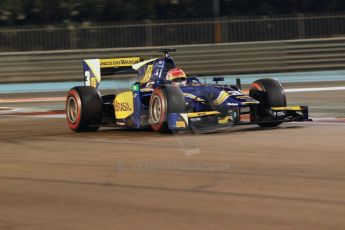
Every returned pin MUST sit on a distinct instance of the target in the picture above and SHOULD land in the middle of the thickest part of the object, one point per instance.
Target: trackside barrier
(210, 59)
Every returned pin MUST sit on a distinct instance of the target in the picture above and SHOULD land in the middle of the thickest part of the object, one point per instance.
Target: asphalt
(291, 177)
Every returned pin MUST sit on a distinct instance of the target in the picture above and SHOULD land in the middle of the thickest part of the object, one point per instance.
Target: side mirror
(217, 79)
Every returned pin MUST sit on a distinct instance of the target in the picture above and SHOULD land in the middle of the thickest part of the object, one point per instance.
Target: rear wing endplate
(95, 68)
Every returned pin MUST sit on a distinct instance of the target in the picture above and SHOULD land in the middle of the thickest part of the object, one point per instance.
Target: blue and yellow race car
(165, 99)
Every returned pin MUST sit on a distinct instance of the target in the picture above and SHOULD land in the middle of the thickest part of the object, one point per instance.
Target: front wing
(214, 119)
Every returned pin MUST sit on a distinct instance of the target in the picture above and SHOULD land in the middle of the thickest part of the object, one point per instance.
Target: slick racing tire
(83, 109)
(164, 100)
(269, 93)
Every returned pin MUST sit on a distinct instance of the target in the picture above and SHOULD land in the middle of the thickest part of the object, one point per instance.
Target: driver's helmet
(177, 76)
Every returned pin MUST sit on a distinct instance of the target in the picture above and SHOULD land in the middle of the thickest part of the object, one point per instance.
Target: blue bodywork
(199, 98)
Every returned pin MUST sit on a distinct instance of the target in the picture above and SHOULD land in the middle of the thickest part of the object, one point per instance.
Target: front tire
(269, 93)
(83, 109)
(164, 100)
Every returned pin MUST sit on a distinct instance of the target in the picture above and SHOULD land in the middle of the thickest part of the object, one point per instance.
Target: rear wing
(95, 68)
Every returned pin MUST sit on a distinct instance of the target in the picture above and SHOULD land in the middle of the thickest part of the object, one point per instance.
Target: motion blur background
(46, 40)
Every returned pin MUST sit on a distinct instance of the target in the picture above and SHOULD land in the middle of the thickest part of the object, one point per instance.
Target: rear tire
(269, 93)
(83, 109)
(164, 100)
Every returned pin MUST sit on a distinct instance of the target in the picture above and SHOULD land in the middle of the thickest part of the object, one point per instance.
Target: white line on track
(315, 89)
(320, 123)
(326, 118)
(26, 100)
(50, 116)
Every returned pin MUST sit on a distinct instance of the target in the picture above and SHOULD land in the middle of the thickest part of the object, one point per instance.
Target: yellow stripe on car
(202, 114)
(148, 74)
(292, 108)
(221, 98)
(223, 120)
(180, 124)
(189, 95)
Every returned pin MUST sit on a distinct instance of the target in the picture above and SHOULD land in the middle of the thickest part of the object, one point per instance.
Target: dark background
(42, 12)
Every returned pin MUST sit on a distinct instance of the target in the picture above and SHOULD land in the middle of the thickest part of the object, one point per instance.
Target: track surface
(292, 177)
